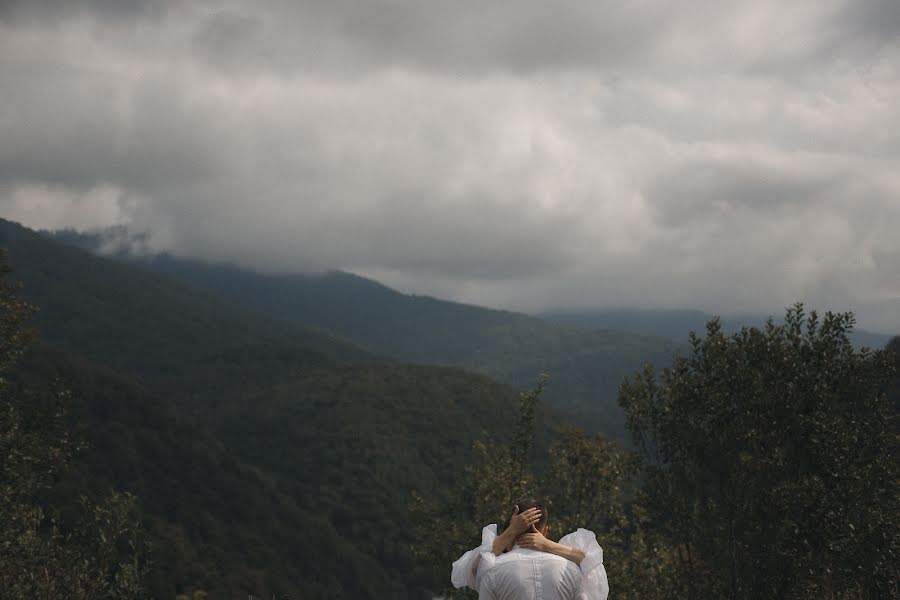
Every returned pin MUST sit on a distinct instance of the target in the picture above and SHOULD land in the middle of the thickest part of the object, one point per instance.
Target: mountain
(677, 324)
(268, 458)
(586, 368)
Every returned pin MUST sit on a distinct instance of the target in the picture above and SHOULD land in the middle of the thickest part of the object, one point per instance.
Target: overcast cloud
(722, 155)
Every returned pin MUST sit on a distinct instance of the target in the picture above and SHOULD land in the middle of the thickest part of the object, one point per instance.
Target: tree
(893, 351)
(499, 475)
(590, 483)
(92, 556)
(769, 462)
(585, 484)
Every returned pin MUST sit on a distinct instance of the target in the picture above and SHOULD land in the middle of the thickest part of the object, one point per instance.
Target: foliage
(94, 553)
(589, 484)
(769, 462)
(499, 474)
(13, 313)
(585, 483)
(765, 466)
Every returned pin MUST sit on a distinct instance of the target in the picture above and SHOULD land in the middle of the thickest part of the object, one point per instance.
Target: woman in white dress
(580, 547)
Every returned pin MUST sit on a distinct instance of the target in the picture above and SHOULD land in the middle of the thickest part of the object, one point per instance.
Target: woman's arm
(536, 541)
(518, 524)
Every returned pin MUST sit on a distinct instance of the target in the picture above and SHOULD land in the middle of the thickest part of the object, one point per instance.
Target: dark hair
(532, 503)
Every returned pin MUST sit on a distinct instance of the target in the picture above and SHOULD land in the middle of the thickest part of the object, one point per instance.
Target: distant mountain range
(586, 367)
(675, 325)
(586, 354)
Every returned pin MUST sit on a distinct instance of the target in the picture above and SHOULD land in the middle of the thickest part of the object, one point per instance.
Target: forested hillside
(271, 459)
(267, 458)
(585, 367)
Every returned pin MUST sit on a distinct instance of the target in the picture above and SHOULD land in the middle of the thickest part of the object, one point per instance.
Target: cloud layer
(729, 156)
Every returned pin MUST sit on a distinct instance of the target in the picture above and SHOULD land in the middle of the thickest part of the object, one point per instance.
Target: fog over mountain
(724, 156)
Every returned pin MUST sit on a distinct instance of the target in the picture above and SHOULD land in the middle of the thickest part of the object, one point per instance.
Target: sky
(729, 156)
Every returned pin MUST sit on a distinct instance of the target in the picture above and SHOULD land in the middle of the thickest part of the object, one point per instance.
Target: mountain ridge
(676, 324)
(585, 368)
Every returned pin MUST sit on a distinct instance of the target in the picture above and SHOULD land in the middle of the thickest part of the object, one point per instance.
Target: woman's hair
(531, 503)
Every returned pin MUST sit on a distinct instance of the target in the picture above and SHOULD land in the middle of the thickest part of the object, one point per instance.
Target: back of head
(532, 503)
(528, 574)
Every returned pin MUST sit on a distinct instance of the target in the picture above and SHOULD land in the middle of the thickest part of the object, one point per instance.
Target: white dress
(470, 568)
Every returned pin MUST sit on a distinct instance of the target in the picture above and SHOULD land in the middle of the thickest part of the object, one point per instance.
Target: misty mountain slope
(268, 458)
(585, 367)
(671, 324)
(126, 317)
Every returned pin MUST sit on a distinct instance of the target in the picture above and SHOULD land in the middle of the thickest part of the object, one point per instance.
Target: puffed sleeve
(594, 585)
(465, 568)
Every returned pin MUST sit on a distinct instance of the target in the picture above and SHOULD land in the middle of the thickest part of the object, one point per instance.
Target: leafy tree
(584, 483)
(769, 462)
(94, 554)
(500, 473)
(590, 483)
(893, 351)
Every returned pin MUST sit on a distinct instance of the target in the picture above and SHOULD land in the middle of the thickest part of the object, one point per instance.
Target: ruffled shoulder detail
(586, 541)
(465, 568)
(594, 583)
(488, 535)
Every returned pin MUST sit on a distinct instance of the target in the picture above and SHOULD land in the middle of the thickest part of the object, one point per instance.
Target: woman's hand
(520, 523)
(535, 541)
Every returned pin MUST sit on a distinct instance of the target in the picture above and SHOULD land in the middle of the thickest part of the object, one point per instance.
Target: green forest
(162, 438)
(587, 364)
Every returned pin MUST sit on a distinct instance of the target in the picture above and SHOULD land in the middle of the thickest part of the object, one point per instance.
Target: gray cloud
(723, 155)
